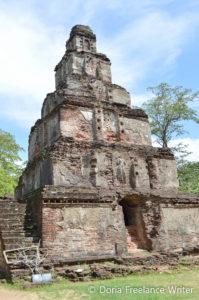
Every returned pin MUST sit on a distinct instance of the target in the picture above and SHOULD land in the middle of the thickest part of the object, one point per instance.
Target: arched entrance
(135, 232)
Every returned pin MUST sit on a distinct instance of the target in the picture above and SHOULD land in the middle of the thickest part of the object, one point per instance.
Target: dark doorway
(134, 225)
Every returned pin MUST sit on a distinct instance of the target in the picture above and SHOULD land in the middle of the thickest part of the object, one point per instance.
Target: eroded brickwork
(89, 137)
(84, 230)
(94, 184)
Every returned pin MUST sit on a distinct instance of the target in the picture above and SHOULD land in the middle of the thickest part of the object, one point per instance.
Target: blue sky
(148, 42)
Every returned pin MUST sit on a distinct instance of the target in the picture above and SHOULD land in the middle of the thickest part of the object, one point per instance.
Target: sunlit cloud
(151, 43)
(191, 146)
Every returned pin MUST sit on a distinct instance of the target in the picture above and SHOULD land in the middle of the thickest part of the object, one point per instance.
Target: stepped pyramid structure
(94, 186)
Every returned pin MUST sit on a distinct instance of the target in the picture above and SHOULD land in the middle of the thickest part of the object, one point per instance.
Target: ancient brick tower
(94, 185)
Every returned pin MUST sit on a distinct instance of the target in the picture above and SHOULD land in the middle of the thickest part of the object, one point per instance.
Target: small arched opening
(87, 45)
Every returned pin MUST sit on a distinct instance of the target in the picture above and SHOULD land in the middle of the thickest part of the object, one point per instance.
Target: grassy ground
(116, 289)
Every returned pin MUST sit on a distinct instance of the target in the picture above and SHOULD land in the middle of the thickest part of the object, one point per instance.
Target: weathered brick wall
(115, 166)
(75, 232)
(37, 174)
(179, 229)
(135, 131)
(119, 95)
(91, 164)
(43, 135)
(166, 175)
(86, 121)
(77, 122)
(92, 65)
(168, 223)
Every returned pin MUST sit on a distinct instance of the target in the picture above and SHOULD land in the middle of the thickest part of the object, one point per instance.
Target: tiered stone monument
(94, 184)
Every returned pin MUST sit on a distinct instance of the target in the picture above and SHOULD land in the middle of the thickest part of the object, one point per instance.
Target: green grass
(65, 289)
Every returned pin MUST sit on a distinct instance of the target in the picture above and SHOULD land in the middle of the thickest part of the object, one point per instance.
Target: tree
(31, 258)
(9, 169)
(168, 109)
(188, 174)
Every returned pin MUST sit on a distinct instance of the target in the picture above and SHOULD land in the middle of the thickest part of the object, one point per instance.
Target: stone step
(132, 239)
(17, 243)
(12, 234)
(23, 233)
(135, 241)
(17, 238)
(16, 220)
(131, 229)
(4, 213)
(14, 215)
(13, 208)
(20, 244)
(8, 246)
(19, 273)
(12, 202)
(8, 202)
(11, 214)
(11, 226)
(11, 221)
(5, 221)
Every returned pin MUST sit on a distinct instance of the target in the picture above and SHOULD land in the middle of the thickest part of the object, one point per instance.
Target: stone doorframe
(135, 226)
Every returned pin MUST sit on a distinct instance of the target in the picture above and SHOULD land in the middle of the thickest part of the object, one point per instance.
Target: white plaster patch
(88, 115)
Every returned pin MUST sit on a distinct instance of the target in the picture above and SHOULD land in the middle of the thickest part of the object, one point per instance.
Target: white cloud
(149, 44)
(29, 51)
(192, 145)
(139, 99)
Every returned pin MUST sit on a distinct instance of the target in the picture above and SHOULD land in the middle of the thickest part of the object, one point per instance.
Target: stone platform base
(78, 225)
(126, 265)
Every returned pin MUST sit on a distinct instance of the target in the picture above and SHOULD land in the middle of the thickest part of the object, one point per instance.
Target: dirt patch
(6, 294)
(17, 295)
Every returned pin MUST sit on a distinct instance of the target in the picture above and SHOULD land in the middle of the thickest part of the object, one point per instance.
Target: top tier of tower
(84, 74)
(81, 38)
(82, 59)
